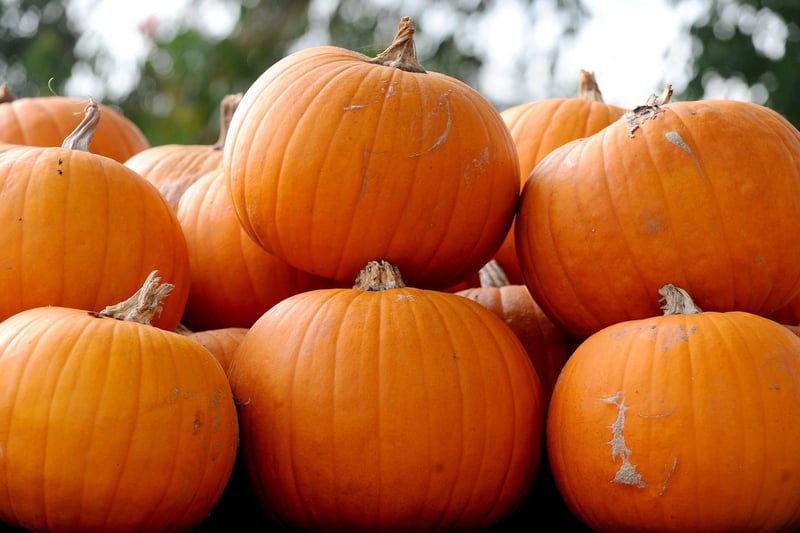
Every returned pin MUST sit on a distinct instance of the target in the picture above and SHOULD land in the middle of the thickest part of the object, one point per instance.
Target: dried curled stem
(143, 305)
(676, 301)
(588, 88)
(641, 114)
(379, 276)
(80, 138)
(226, 109)
(402, 52)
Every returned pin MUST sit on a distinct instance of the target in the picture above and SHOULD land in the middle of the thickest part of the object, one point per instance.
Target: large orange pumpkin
(82, 230)
(703, 194)
(539, 127)
(233, 280)
(386, 407)
(110, 424)
(685, 422)
(47, 120)
(334, 159)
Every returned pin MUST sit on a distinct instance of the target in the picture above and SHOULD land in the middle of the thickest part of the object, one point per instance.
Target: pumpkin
(539, 127)
(233, 280)
(334, 159)
(47, 120)
(702, 194)
(173, 167)
(82, 230)
(681, 422)
(221, 342)
(384, 406)
(547, 346)
(108, 423)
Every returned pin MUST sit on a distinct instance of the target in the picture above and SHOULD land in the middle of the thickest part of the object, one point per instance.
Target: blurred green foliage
(187, 73)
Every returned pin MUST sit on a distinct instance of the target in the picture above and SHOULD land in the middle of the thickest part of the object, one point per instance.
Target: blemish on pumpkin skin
(627, 473)
(675, 138)
(446, 133)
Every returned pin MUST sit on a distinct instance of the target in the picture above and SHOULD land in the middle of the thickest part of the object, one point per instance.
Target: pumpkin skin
(172, 168)
(539, 127)
(46, 120)
(233, 280)
(82, 230)
(547, 346)
(680, 423)
(221, 342)
(333, 161)
(703, 195)
(401, 409)
(109, 425)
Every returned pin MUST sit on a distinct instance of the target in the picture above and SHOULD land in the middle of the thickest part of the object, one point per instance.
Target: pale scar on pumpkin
(627, 473)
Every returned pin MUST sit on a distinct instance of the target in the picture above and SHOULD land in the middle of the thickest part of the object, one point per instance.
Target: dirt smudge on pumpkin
(627, 473)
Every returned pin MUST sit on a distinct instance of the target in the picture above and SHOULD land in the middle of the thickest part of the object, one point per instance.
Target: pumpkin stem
(640, 114)
(588, 88)
(80, 138)
(226, 108)
(493, 275)
(379, 276)
(143, 305)
(6, 95)
(402, 52)
(676, 301)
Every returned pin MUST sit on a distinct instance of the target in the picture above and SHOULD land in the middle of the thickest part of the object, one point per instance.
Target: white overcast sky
(632, 46)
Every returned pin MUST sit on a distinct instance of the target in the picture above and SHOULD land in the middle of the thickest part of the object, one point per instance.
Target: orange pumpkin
(547, 346)
(680, 422)
(221, 342)
(82, 230)
(702, 194)
(47, 120)
(539, 127)
(173, 167)
(233, 280)
(334, 159)
(386, 407)
(110, 424)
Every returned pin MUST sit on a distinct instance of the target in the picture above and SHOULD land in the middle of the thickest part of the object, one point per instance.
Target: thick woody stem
(402, 52)
(379, 276)
(676, 301)
(143, 305)
(588, 88)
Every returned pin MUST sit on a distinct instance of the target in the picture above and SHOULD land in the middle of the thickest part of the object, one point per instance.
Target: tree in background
(753, 47)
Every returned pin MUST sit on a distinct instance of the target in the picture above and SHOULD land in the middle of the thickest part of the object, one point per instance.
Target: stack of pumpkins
(320, 321)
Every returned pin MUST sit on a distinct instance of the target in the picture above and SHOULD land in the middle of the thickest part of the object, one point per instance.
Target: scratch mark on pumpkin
(354, 106)
(443, 137)
(668, 476)
(627, 473)
(675, 138)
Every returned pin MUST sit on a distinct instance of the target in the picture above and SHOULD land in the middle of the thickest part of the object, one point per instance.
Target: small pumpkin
(81, 230)
(174, 167)
(547, 346)
(221, 342)
(334, 159)
(384, 406)
(108, 423)
(702, 194)
(47, 120)
(681, 422)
